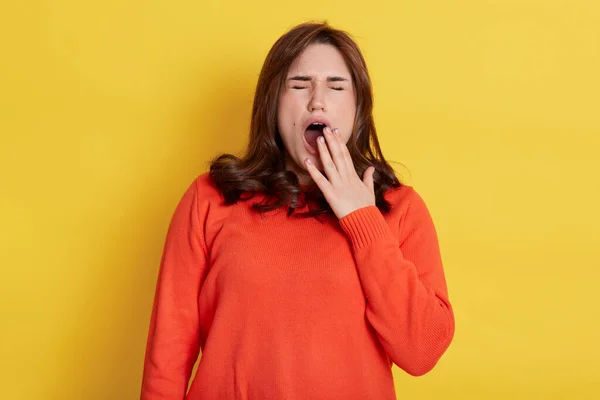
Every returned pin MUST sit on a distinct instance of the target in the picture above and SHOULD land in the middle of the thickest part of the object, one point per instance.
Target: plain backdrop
(109, 110)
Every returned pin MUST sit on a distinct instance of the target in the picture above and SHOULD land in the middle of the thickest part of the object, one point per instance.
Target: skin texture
(309, 92)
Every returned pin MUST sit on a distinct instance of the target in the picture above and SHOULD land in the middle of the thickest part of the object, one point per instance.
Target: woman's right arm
(173, 338)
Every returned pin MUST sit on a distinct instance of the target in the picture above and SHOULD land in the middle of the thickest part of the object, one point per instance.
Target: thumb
(368, 178)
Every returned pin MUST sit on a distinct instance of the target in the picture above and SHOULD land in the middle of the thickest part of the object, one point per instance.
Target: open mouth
(312, 133)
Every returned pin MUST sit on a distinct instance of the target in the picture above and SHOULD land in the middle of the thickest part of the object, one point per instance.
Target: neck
(304, 178)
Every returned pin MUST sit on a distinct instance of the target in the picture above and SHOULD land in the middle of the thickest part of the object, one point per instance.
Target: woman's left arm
(404, 284)
(403, 279)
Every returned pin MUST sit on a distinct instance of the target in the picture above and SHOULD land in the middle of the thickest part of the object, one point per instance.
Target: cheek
(283, 117)
(351, 105)
(287, 125)
(287, 114)
(347, 106)
(349, 114)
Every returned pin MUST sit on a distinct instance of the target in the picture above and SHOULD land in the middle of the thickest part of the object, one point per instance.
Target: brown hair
(262, 168)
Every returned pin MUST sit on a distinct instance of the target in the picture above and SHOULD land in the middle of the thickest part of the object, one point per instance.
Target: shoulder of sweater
(406, 200)
(206, 190)
(209, 194)
(206, 186)
(399, 196)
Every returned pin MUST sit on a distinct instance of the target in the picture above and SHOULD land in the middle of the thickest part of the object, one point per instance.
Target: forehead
(320, 60)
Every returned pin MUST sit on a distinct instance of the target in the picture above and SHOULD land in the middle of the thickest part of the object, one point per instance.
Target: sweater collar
(307, 202)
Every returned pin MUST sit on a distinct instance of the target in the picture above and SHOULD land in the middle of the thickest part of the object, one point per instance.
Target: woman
(304, 269)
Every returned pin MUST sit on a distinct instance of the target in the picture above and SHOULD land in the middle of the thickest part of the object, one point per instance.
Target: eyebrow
(308, 78)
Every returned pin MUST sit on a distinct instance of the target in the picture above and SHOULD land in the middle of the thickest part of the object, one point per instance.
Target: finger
(368, 178)
(335, 148)
(317, 176)
(328, 163)
(345, 153)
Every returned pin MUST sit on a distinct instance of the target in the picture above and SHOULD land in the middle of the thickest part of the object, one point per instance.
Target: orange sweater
(290, 308)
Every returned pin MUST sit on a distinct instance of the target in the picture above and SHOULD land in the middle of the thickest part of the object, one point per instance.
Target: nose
(317, 99)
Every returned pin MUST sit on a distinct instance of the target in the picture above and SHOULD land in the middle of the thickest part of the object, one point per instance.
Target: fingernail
(336, 131)
(327, 130)
(307, 160)
(321, 139)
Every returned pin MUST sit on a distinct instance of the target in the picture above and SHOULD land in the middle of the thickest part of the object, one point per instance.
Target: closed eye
(306, 87)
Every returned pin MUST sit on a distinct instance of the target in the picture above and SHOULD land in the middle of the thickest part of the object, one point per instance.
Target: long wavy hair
(262, 168)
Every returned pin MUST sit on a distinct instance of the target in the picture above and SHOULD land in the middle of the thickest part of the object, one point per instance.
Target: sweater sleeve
(173, 346)
(404, 284)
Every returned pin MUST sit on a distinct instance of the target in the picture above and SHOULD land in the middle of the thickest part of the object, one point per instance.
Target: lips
(316, 120)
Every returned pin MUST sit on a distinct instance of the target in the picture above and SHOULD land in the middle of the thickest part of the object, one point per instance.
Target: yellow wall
(108, 110)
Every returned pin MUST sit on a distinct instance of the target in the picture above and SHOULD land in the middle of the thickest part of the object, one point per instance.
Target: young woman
(304, 269)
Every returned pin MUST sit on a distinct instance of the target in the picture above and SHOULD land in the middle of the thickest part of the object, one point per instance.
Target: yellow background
(109, 109)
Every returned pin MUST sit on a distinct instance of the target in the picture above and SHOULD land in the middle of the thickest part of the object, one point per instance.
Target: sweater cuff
(364, 225)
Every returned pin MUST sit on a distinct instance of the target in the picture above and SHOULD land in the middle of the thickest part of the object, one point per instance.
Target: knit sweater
(288, 308)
